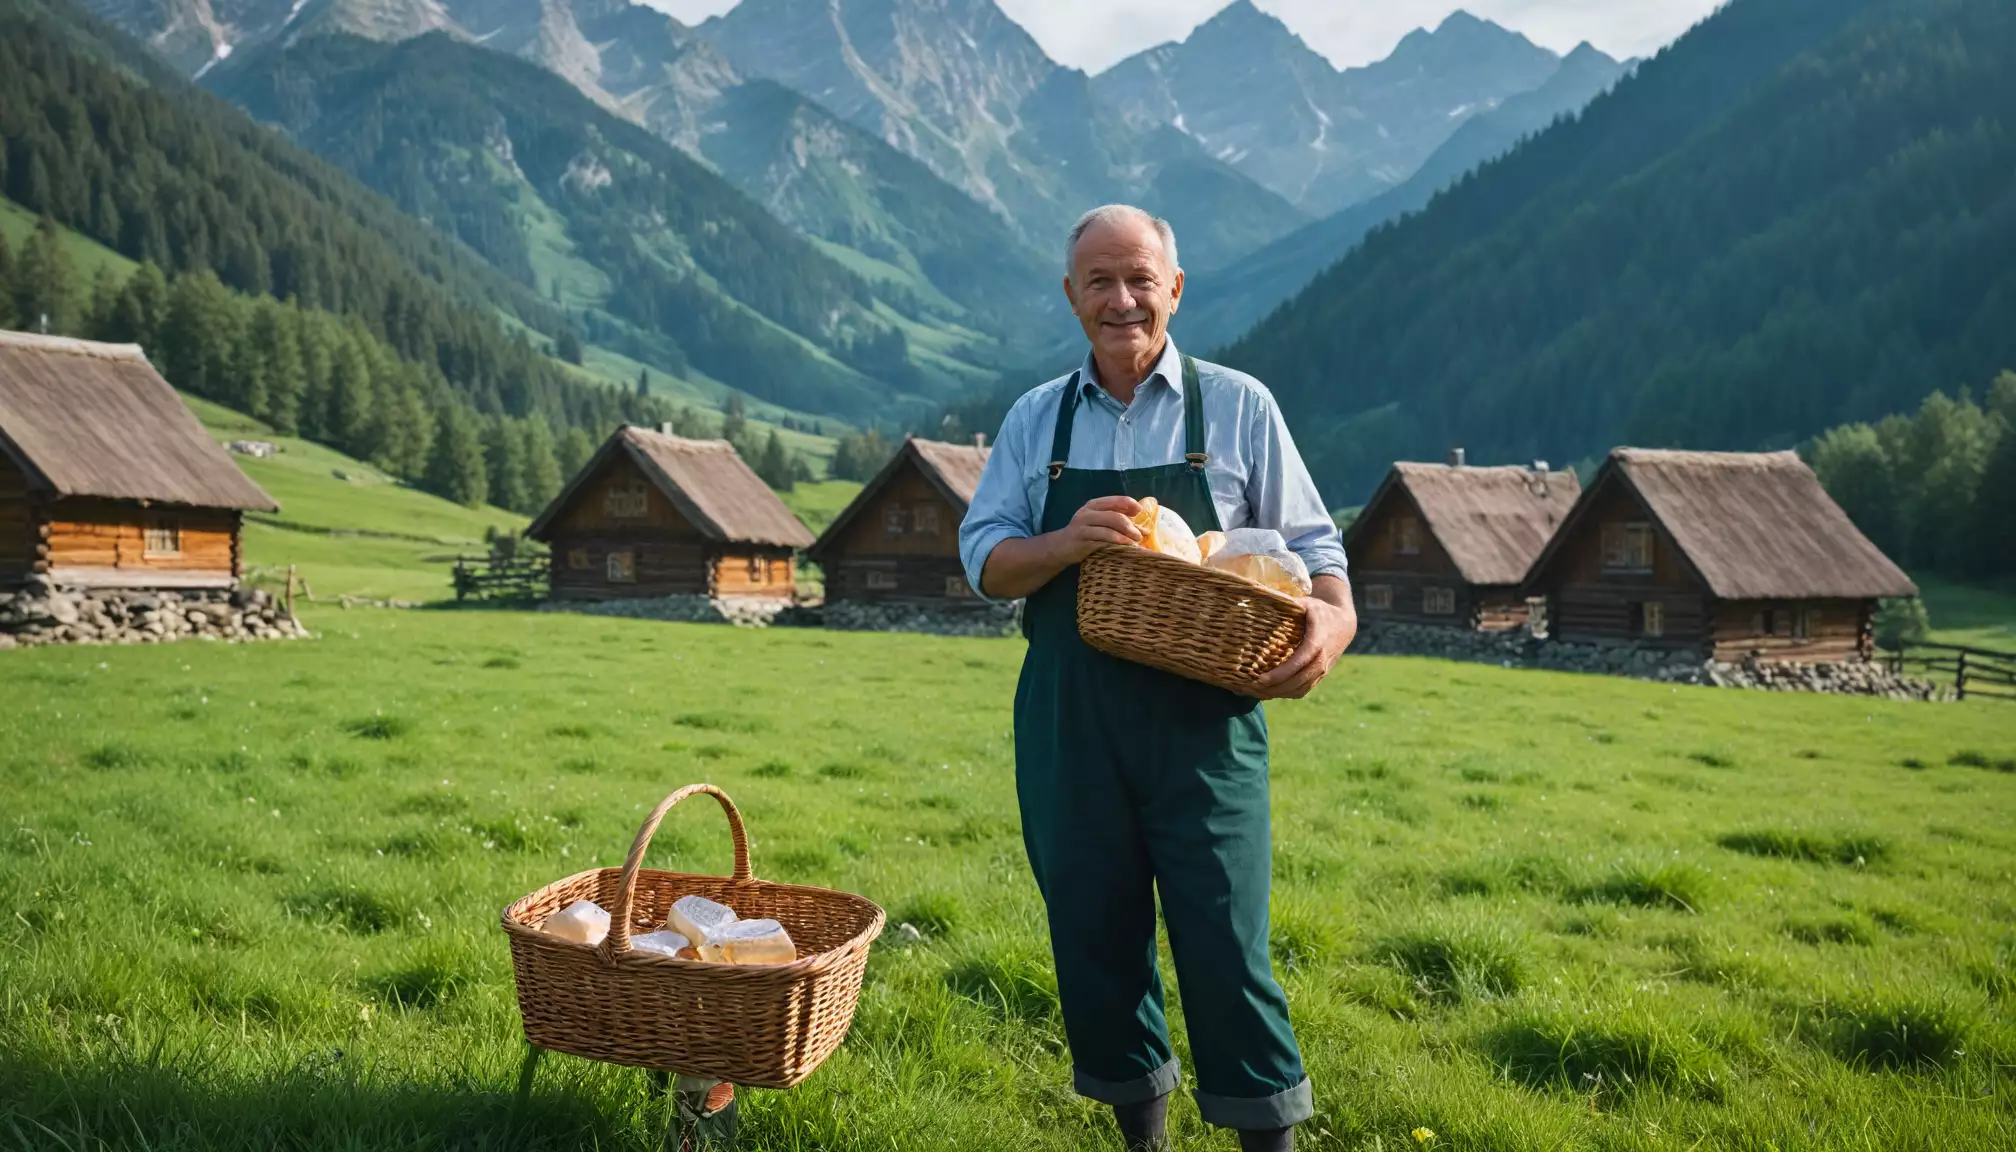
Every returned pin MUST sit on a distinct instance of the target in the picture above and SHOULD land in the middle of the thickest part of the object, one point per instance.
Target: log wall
(1768, 630)
(937, 580)
(85, 533)
(17, 524)
(662, 563)
(1377, 562)
(1589, 602)
(901, 546)
(751, 570)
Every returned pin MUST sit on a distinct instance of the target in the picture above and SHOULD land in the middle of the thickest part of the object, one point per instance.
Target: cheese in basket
(1224, 608)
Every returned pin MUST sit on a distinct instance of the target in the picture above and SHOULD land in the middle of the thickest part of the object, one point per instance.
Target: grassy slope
(251, 894)
(362, 535)
(86, 255)
(817, 504)
(1965, 614)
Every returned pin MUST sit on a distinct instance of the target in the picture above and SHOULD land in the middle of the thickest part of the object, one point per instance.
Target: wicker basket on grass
(1185, 618)
(760, 1025)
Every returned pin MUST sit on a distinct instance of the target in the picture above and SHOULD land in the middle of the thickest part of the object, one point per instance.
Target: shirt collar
(1168, 368)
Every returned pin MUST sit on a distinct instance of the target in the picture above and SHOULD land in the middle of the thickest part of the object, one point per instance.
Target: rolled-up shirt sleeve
(1000, 509)
(1284, 496)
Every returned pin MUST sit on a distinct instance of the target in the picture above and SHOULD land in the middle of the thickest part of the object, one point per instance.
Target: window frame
(161, 535)
(924, 518)
(879, 580)
(893, 519)
(1628, 546)
(956, 588)
(1406, 535)
(1378, 597)
(1652, 619)
(620, 566)
(578, 560)
(1438, 600)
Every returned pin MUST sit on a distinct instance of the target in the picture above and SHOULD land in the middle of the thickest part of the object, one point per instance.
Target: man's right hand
(1019, 567)
(1107, 520)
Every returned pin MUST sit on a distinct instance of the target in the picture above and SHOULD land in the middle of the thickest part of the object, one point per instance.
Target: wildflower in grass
(1424, 1136)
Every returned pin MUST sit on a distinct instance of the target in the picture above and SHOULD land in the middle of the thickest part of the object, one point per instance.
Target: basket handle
(618, 940)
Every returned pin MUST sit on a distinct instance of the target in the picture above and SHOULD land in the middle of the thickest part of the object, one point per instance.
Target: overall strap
(1193, 417)
(1060, 440)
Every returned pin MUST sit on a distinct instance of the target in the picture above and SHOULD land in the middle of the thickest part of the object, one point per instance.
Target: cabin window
(1407, 536)
(881, 581)
(1650, 618)
(626, 501)
(622, 568)
(163, 537)
(1765, 623)
(1805, 622)
(892, 520)
(1379, 597)
(956, 588)
(1628, 546)
(926, 519)
(1438, 601)
(759, 572)
(577, 559)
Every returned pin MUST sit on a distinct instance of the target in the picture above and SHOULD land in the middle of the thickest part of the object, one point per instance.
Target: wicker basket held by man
(1175, 798)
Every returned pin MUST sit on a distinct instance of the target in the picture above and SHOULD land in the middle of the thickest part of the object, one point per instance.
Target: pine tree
(273, 335)
(197, 335)
(542, 465)
(643, 383)
(105, 288)
(733, 422)
(576, 449)
(1994, 525)
(455, 469)
(504, 458)
(775, 463)
(137, 312)
(43, 291)
(350, 396)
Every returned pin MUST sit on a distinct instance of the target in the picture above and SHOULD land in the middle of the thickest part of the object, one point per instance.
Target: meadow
(249, 894)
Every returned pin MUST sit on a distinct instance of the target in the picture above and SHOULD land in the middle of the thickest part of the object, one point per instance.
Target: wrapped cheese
(1162, 530)
(665, 944)
(750, 942)
(1209, 543)
(583, 922)
(1262, 556)
(697, 918)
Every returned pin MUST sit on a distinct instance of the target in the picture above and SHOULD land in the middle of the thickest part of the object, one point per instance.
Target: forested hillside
(104, 142)
(1799, 215)
(589, 209)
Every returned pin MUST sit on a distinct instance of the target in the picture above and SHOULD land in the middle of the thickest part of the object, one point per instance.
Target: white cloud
(1095, 36)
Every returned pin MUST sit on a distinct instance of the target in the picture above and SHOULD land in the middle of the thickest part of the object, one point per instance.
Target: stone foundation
(36, 615)
(979, 620)
(741, 611)
(1520, 648)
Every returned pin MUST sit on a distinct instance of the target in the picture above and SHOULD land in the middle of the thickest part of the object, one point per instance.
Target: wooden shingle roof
(1752, 525)
(705, 480)
(953, 469)
(1491, 521)
(83, 418)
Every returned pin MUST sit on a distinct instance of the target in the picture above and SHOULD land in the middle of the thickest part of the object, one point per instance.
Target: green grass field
(818, 503)
(348, 528)
(249, 894)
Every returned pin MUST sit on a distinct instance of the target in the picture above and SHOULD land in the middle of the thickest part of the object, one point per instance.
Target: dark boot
(1144, 1127)
(1266, 1140)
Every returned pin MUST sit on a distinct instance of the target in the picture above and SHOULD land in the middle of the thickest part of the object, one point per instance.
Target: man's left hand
(1327, 630)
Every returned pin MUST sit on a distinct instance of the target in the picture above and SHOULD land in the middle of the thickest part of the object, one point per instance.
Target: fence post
(290, 591)
(1960, 675)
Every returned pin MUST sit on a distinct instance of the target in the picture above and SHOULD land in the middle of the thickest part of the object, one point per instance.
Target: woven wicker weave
(1184, 618)
(767, 1026)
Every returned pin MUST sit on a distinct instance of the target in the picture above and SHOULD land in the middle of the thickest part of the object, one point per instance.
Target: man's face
(1122, 288)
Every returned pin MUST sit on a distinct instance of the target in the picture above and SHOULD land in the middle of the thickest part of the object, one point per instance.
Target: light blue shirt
(1257, 478)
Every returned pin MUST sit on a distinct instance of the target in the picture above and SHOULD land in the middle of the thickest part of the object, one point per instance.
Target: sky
(1096, 35)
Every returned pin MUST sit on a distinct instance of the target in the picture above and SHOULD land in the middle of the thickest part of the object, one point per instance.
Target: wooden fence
(1981, 672)
(490, 578)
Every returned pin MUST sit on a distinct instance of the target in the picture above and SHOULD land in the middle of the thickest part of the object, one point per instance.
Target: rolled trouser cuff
(1281, 1110)
(1139, 1090)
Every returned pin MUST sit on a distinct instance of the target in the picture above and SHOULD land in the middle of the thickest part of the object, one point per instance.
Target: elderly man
(1133, 781)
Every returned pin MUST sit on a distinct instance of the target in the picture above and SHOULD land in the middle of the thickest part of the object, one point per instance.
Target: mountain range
(1796, 216)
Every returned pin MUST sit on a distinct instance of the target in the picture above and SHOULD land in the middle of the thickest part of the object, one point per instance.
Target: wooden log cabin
(652, 514)
(899, 539)
(107, 480)
(1738, 555)
(1449, 544)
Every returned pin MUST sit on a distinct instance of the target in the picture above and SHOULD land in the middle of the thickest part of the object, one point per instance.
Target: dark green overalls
(1133, 781)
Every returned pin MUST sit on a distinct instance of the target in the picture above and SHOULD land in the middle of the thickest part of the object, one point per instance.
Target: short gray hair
(1113, 214)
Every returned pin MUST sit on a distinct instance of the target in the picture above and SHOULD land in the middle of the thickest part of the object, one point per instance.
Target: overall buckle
(1056, 469)
(1197, 460)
